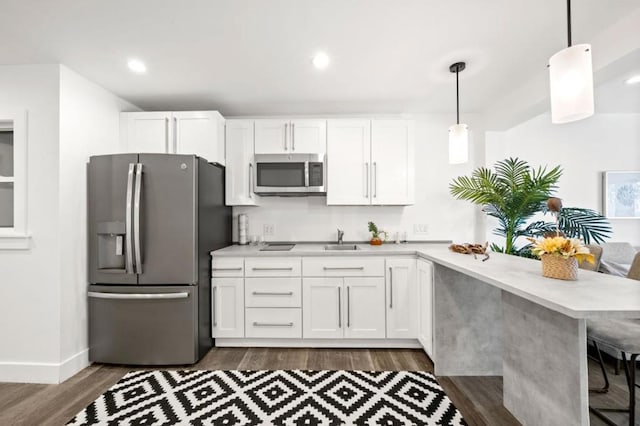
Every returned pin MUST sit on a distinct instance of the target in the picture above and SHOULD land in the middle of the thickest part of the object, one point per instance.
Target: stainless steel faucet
(340, 235)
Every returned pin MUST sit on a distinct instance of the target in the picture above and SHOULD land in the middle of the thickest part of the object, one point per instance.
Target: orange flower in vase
(375, 235)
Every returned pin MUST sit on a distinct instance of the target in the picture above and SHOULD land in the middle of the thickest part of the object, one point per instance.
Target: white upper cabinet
(370, 162)
(189, 132)
(402, 301)
(308, 136)
(283, 136)
(392, 160)
(239, 172)
(149, 132)
(272, 136)
(348, 162)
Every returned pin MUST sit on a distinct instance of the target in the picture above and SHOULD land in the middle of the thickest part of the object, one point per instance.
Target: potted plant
(375, 234)
(560, 256)
(514, 192)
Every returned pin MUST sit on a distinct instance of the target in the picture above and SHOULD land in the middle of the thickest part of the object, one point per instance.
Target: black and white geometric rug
(297, 397)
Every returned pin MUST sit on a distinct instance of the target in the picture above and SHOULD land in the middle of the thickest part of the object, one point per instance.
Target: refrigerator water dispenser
(111, 247)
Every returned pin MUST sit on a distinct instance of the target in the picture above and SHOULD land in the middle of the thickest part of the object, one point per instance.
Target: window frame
(17, 237)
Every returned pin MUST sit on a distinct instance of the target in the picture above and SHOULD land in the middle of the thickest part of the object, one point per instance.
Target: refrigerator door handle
(128, 228)
(138, 296)
(136, 219)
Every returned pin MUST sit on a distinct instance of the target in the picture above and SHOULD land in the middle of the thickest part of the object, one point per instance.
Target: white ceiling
(254, 56)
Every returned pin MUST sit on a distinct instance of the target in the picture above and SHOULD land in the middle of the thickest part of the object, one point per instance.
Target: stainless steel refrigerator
(153, 219)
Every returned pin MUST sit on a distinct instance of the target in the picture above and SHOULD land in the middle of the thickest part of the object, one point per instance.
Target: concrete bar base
(467, 325)
(545, 364)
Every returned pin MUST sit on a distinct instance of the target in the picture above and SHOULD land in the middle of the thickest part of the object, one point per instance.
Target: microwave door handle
(136, 219)
(128, 228)
(286, 127)
(306, 174)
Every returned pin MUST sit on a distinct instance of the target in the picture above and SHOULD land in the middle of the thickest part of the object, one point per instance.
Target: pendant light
(458, 133)
(571, 80)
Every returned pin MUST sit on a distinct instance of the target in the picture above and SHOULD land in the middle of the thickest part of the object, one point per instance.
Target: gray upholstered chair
(623, 336)
(616, 258)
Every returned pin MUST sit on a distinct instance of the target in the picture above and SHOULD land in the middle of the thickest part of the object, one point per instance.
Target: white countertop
(593, 295)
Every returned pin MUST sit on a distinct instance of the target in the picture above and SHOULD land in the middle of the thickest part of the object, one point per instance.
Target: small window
(13, 181)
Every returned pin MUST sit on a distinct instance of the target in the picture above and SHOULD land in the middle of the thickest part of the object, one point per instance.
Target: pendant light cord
(457, 99)
(569, 22)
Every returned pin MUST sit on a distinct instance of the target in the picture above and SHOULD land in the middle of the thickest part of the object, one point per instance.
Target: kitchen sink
(341, 247)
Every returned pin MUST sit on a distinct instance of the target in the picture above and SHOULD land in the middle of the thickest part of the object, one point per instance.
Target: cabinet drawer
(227, 267)
(350, 266)
(273, 267)
(273, 292)
(274, 322)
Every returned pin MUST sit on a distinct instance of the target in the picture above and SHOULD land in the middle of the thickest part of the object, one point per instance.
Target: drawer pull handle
(272, 324)
(272, 269)
(343, 268)
(272, 293)
(226, 269)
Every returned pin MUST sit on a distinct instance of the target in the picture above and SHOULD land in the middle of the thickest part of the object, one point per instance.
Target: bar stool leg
(632, 390)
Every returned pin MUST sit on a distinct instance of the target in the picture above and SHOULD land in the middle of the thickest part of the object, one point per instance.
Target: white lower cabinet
(425, 303)
(274, 323)
(227, 313)
(343, 307)
(402, 301)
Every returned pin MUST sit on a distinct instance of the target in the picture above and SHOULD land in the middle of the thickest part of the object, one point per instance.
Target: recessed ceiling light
(634, 80)
(137, 66)
(321, 60)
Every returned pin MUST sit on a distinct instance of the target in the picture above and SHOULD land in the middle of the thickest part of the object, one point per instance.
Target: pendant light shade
(458, 144)
(458, 133)
(571, 81)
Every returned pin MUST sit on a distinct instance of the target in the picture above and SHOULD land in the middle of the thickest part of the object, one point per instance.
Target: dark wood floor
(478, 398)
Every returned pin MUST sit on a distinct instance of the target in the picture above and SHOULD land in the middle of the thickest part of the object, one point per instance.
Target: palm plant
(514, 193)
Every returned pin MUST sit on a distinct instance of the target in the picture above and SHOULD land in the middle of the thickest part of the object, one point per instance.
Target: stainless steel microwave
(290, 174)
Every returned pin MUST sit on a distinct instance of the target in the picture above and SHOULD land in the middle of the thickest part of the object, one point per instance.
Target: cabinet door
(272, 136)
(322, 306)
(349, 162)
(199, 133)
(239, 173)
(392, 145)
(364, 311)
(308, 136)
(146, 132)
(227, 307)
(402, 301)
(425, 297)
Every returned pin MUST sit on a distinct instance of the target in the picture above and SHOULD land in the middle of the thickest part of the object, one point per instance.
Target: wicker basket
(557, 267)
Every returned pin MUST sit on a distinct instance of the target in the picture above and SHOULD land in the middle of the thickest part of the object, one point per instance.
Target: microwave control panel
(315, 174)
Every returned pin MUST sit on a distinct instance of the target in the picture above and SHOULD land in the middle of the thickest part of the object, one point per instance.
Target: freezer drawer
(143, 325)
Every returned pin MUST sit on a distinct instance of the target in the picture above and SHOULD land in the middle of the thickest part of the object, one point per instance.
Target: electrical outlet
(420, 228)
(268, 229)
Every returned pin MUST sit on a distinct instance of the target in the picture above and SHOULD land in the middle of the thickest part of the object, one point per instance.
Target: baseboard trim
(43, 372)
(319, 343)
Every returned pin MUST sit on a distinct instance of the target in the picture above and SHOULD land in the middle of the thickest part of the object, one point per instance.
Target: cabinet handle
(272, 293)
(166, 134)
(348, 308)
(175, 135)
(286, 126)
(272, 269)
(250, 180)
(213, 307)
(366, 177)
(390, 287)
(293, 137)
(343, 268)
(339, 307)
(226, 269)
(375, 179)
(272, 324)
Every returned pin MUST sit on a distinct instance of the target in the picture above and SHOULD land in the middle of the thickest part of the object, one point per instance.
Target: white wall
(30, 279)
(89, 123)
(310, 219)
(584, 149)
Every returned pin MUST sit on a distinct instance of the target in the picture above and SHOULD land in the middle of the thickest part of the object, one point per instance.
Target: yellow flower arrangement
(562, 247)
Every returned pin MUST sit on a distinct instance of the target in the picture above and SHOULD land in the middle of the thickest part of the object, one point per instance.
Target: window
(13, 176)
